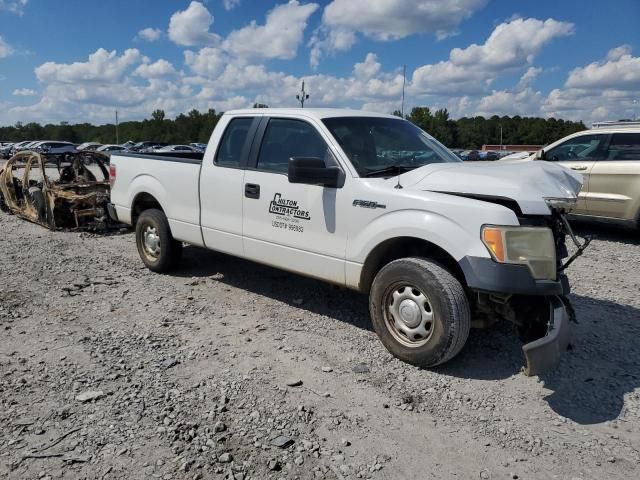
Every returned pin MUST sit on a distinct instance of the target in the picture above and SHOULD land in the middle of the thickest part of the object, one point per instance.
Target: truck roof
(318, 113)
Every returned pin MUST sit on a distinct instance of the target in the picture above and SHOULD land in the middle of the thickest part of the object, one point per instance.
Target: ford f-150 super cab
(373, 203)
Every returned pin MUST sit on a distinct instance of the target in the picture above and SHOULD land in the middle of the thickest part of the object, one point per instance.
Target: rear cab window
(233, 141)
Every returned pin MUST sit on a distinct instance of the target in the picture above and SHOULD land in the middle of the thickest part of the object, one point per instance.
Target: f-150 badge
(367, 204)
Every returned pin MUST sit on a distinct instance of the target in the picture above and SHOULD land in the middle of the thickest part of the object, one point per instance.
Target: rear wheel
(419, 311)
(159, 251)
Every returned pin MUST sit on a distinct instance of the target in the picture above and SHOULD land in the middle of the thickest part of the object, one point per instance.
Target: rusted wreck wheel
(159, 251)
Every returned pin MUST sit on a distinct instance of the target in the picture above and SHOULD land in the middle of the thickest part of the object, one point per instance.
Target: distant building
(512, 148)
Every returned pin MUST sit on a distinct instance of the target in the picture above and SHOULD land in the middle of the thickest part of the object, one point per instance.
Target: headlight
(531, 246)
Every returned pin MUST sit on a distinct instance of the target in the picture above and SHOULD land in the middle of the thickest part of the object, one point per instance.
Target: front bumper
(544, 353)
(487, 275)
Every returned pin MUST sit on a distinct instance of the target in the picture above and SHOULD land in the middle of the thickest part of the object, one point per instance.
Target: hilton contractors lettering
(289, 208)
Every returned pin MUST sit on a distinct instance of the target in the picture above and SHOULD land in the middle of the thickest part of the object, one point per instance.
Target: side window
(288, 138)
(234, 137)
(585, 147)
(624, 146)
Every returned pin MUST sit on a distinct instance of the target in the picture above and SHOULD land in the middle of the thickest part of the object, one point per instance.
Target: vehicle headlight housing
(530, 246)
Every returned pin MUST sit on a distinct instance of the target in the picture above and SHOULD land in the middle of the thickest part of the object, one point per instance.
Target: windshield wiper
(391, 170)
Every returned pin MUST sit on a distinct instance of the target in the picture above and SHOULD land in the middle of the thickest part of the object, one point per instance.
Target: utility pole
(500, 136)
(117, 135)
(302, 96)
(404, 81)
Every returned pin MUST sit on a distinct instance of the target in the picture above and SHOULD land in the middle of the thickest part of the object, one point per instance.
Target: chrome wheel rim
(409, 315)
(151, 242)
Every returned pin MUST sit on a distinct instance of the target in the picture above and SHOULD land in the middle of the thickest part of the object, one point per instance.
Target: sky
(81, 60)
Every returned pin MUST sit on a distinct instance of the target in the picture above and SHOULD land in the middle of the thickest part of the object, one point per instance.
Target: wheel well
(403, 247)
(142, 202)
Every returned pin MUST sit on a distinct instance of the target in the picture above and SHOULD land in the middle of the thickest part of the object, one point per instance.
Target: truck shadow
(588, 386)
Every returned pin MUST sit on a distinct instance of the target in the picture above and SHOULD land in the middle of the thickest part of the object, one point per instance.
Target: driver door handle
(580, 167)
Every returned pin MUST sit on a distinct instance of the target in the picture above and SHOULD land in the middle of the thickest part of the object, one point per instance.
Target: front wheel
(159, 251)
(419, 311)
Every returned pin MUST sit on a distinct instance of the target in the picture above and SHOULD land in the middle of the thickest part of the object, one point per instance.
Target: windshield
(386, 146)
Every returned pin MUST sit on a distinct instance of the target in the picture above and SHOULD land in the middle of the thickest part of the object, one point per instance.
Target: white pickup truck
(373, 203)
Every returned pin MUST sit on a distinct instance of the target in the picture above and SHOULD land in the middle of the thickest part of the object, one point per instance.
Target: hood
(527, 183)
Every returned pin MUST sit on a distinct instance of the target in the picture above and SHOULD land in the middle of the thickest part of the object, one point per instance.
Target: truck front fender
(431, 227)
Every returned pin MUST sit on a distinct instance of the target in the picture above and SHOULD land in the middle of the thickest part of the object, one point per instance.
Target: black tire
(168, 252)
(446, 305)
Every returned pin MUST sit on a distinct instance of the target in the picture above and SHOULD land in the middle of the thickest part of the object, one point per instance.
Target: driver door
(291, 226)
(579, 154)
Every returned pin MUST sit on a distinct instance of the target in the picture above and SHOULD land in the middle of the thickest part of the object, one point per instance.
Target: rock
(327, 369)
(361, 368)
(345, 442)
(225, 458)
(282, 442)
(89, 395)
(220, 427)
(274, 465)
(294, 382)
(169, 362)
(299, 460)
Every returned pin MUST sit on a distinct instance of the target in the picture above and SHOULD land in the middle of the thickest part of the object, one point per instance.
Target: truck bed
(171, 178)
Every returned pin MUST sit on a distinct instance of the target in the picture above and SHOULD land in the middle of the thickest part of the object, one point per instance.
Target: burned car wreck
(68, 191)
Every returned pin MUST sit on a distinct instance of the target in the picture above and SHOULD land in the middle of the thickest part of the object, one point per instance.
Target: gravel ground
(228, 369)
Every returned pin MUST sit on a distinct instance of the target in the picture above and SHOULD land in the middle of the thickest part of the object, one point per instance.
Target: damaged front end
(69, 191)
(539, 308)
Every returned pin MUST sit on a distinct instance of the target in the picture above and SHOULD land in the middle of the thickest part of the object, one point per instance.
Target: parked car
(53, 147)
(199, 146)
(111, 148)
(178, 148)
(6, 150)
(608, 157)
(143, 146)
(373, 203)
(473, 156)
(89, 146)
(18, 147)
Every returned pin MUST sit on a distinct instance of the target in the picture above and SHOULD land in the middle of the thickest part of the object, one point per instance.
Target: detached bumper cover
(543, 354)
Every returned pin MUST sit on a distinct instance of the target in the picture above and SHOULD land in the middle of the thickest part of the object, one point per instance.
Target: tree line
(195, 126)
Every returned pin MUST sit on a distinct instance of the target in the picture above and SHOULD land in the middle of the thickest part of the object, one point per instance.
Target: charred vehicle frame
(76, 200)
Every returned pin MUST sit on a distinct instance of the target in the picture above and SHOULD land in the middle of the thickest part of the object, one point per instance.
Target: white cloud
(208, 62)
(230, 4)
(505, 102)
(472, 70)
(158, 69)
(5, 48)
(149, 34)
(367, 69)
(512, 44)
(620, 70)
(529, 76)
(24, 92)
(101, 67)
(387, 20)
(279, 37)
(190, 27)
(13, 6)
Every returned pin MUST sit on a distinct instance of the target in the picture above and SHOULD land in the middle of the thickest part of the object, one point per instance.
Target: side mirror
(313, 171)
(541, 155)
